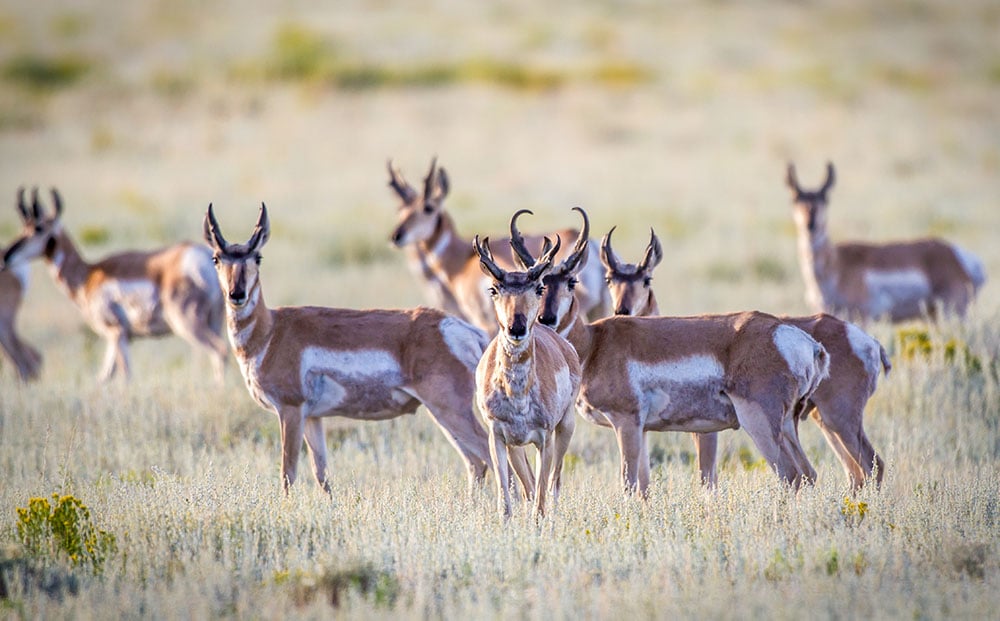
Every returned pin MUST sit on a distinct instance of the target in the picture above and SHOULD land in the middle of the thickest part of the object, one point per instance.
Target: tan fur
(527, 381)
(445, 259)
(737, 376)
(855, 280)
(26, 358)
(408, 356)
(837, 406)
(130, 294)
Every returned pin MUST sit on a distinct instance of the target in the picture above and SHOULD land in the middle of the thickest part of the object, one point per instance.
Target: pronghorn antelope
(130, 294)
(838, 404)
(899, 280)
(304, 363)
(445, 260)
(698, 374)
(630, 286)
(13, 284)
(528, 378)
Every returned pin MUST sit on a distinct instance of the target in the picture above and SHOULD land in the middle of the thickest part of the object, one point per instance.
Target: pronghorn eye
(39, 228)
(607, 279)
(215, 259)
(428, 208)
(571, 283)
(492, 291)
(257, 259)
(540, 289)
(646, 281)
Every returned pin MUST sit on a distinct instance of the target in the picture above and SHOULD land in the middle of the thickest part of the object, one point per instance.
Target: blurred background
(679, 116)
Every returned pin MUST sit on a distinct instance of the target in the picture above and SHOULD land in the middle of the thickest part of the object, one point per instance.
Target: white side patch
(318, 366)
(888, 288)
(564, 387)
(647, 380)
(137, 298)
(865, 348)
(800, 351)
(464, 341)
(971, 264)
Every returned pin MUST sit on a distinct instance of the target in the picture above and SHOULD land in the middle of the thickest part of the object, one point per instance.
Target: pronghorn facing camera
(444, 258)
(305, 363)
(861, 281)
(130, 294)
(698, 374)
(528, 379)
(13, 285)
(837, 406)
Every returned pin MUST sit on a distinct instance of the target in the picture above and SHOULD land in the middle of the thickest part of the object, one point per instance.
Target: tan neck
(68, 267)
(250, 326)
(446, 252)
(576, 330)
(818, 263)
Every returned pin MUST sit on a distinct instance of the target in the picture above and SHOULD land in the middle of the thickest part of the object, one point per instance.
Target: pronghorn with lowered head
(698, 374)
(304, 363)
(130, 294)
(13, 285)
(528, 378)
(861, 281)
(449, 267)
(837, 406)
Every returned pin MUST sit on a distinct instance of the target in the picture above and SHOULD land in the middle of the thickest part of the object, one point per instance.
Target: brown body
(306, 363)
(130, 294)
(861, 281)
(26, 358)
(445, 259)
(697, 374)
(528, 378)
(837, 406)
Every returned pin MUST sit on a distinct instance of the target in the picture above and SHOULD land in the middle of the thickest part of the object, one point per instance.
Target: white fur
(239, 339)
(21, 272)
(250, 368)
(355, 365)
(196, 264)
(137, 298)
(647, 379)
(442, 244)
(971, 264)
(564, 386)
(887, 288)
(800, 351)
(865, 348)
(464, 341)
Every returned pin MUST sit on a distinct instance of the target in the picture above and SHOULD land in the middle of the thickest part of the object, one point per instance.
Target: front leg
(629, 438)
(543, 468)
(706, 446)
(519, 462)
(290, 419)
(498, 454)
(316, 443)
(115, 355)
(563, 434)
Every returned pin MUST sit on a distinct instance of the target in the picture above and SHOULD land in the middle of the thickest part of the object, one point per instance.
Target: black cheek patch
(50, 248)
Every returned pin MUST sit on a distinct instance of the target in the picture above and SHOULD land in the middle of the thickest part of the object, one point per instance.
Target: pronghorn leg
(706, 447)
(111, 357)
(870, 460)
(543, 469)
(498, 454)
(563, 434)
(452, 411)
(630, 447)
(764, 427)
(847, 449)
(25, 357)
(644, 464)
(290, 419)
(201, 335)
(518, 457)
(316, 443)
(793, 446)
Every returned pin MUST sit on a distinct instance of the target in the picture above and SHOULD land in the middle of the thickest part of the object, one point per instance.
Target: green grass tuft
(45, 73)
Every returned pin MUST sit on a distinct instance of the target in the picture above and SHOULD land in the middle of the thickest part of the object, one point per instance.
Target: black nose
(519, 327)
(622, 311)
(548, 320)
(237, 296)
(397, 236)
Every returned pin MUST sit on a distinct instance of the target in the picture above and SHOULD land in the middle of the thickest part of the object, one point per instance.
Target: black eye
(607, 279)
(257, 259)
(492, 291)
(571, 283)
(540, 289)
(39, 228)
(428, 208)
(646, 281)
(215, 259)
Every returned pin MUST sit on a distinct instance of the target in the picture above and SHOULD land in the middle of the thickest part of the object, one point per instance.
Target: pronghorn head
(517, 296)
(38, 234)
(810, 205)
(237, 265)
(560, 282)
(629, 283)
(419, 215)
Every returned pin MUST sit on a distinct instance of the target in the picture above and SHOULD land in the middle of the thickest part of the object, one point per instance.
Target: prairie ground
(680, 116)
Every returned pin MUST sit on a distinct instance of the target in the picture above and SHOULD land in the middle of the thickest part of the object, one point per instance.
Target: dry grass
(679, 117)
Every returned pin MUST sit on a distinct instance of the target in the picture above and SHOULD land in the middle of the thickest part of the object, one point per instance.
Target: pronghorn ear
(443, 184)
(544, 262)
(396, 181)
(654, 253)
(261, 231)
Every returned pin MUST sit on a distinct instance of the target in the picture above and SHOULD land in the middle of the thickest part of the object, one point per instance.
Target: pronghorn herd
(521, 336)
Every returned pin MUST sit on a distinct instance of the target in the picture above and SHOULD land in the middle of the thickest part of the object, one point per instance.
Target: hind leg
(563, 434)
(706, 446)
(764, 424)
(451, 409)
(201, 335)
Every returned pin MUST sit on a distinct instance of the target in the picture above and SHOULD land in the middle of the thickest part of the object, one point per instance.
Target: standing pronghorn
(449, 267)
(304, 363)
(898, 280)
(13, 285)
(528, 378)
(130, 294)
(837, 406)
(697, 374)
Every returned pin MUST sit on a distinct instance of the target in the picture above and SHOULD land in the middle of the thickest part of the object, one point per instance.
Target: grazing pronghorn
(898, 280)
(304, 363)
(698, 374)
(528, 378)
(130, 294)
(446, 261)
(13, 284)
(837, 406)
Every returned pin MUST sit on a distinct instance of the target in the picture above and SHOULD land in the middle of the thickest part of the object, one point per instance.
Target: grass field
(679, 116)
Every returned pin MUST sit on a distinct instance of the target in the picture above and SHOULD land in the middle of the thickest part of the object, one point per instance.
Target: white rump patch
(464, 341)
(889, 288)
(319, 366)
(196, 264)
(800, 351)
(971, 264)
(865, 348)
(651, 383)
(138, 299)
